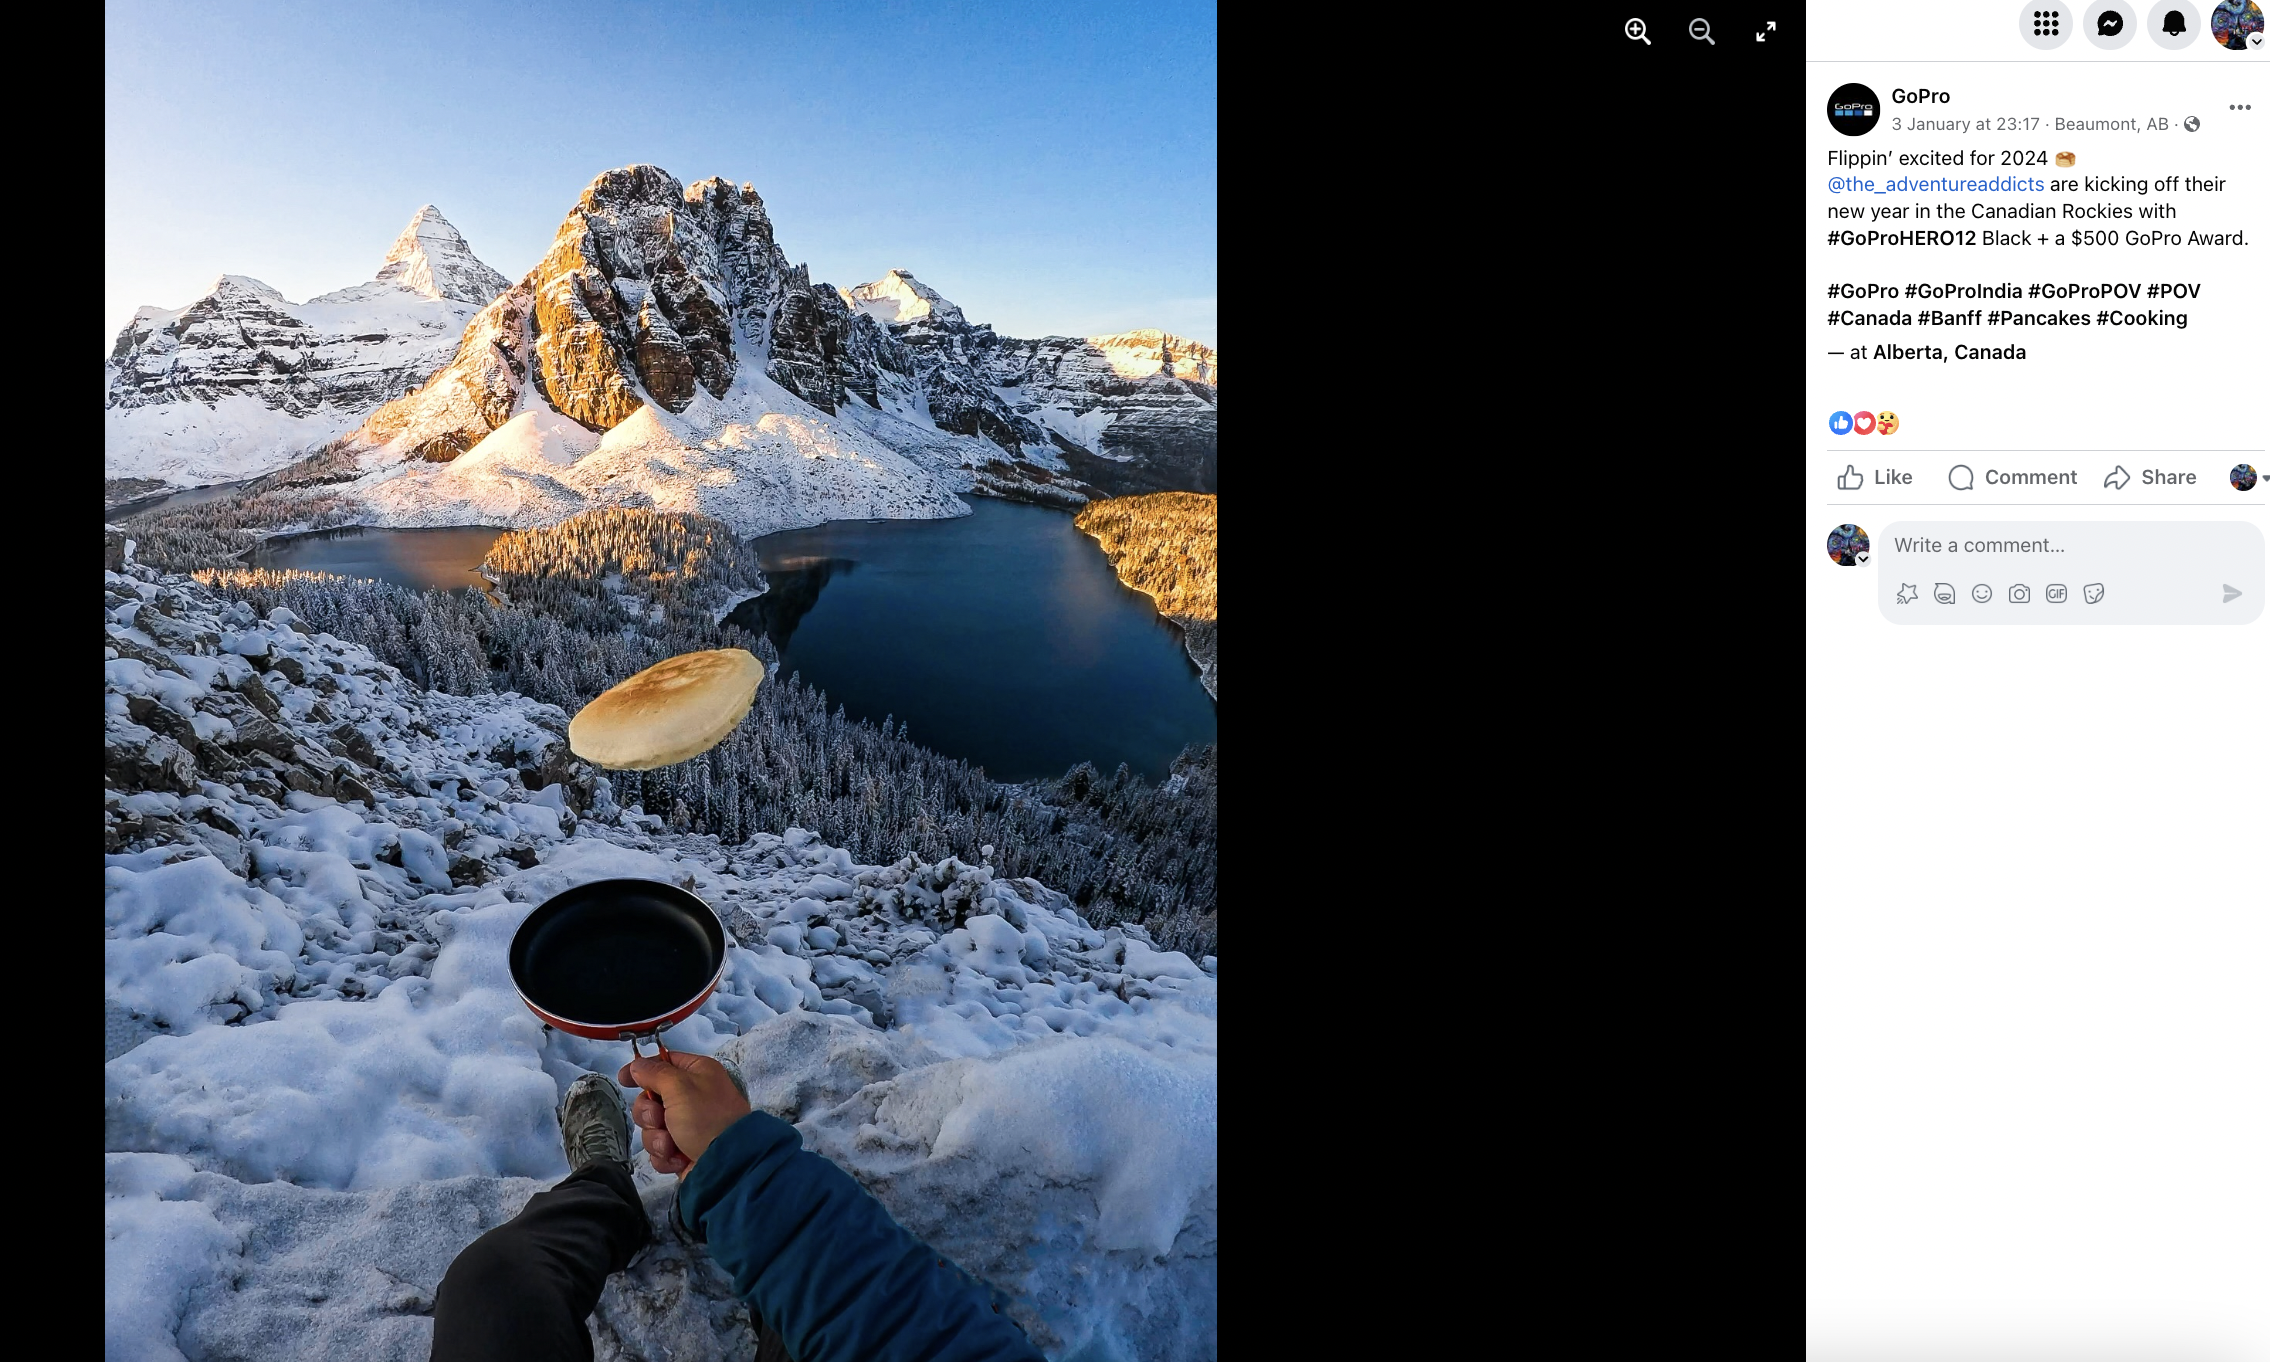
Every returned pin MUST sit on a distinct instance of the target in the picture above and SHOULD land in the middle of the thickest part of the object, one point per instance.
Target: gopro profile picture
(1853, 109)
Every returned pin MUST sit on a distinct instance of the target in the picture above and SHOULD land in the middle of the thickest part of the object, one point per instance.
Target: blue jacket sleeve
(824, 1264)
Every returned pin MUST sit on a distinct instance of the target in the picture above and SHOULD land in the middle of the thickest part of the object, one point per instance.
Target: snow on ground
(191, 444)
(321, 1084)
(760, 458)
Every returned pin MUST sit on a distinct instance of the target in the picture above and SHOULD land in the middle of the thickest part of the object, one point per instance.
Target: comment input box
(2069, 572)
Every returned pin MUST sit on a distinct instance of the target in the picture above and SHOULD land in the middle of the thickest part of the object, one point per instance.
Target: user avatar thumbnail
(2234, 23)
(2242, 477)
(1848, 545)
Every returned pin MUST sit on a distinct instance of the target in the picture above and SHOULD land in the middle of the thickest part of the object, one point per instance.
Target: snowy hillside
(664, 354)
(320, 1084)
(243, 380)
(1130, 413)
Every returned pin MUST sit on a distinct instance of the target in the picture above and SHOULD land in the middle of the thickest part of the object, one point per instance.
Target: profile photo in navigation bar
(2242, 477)
(2236, 25)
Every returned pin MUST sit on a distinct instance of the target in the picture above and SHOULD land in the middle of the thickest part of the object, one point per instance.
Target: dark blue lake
(1001, 637)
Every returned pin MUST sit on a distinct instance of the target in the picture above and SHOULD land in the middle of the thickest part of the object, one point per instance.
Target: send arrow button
(2231, 593)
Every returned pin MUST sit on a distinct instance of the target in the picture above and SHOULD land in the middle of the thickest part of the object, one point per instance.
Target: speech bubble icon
(1959, 477)
(2108, 23)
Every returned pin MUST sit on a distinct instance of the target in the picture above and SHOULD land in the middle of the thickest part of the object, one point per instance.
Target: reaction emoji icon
(2065, 160)
(1864, 423)
(1886, 422)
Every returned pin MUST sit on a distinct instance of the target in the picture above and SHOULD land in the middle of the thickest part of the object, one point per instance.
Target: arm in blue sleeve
(824, 1264)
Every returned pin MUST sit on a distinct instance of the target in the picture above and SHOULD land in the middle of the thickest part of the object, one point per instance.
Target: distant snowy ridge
(320, 1085)
(665, 352)
(242, 380)
(1129, 413)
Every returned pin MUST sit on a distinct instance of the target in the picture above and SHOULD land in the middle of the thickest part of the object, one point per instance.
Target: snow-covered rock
(242, 380)
(322, 1085)
(1133, 412)
(664, 354)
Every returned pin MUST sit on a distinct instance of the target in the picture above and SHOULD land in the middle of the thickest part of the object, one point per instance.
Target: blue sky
(1049, 167)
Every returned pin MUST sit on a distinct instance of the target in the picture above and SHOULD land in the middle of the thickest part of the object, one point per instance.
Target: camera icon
(2019, 595)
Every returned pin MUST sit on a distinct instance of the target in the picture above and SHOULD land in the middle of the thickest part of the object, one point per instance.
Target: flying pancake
(675, 709)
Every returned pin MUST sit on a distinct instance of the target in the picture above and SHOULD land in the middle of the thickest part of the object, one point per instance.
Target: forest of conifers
(586, 603)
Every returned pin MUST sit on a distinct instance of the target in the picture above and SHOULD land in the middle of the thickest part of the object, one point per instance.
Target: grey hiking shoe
(592, 1124)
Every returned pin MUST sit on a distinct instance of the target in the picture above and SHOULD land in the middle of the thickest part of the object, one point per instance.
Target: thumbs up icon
(1849, 480)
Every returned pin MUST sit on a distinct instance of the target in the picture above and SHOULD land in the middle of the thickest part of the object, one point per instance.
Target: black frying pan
(618, 959)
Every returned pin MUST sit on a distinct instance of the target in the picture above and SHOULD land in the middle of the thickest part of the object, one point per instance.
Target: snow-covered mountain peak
(243, 380)
(226, 284)
(900, 299)
(431, 257)
(1140, 354)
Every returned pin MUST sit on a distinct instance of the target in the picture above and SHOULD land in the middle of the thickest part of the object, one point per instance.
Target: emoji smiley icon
(1982, 593)
(1886, 422)
(2065, 160)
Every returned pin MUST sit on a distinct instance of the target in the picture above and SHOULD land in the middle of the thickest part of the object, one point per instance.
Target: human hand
(684, 1102)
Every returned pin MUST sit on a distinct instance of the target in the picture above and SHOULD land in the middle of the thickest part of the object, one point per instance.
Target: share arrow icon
(2117, 478)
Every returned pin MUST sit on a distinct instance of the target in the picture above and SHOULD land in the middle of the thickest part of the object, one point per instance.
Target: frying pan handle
(655, 1035)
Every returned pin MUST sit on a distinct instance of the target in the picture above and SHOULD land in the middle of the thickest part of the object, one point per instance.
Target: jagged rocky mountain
(666, 353)
(1134, 412)
(244, 380)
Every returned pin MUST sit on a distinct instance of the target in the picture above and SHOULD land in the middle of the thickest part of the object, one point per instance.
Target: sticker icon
(2093, 592)
(1886, 423)
(1840, 423)
(1943, 593)
(1864, 423)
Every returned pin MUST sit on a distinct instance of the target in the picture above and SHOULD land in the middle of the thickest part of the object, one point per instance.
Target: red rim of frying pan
(672, 909)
